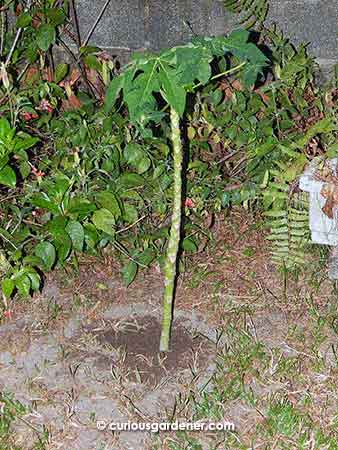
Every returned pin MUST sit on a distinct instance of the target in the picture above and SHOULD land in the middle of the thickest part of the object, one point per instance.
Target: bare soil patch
(139, 341)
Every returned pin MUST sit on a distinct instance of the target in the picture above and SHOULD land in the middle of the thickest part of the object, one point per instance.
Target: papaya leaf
(174, 94)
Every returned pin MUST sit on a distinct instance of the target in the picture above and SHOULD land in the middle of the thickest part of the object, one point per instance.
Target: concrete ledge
(129, 25)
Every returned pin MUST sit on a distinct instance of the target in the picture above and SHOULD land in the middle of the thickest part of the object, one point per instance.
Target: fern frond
(253, 12)
(289, 232)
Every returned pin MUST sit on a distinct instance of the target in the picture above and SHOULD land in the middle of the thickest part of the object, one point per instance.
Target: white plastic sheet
(323, 229)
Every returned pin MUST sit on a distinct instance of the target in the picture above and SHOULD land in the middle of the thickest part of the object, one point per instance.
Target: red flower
(38, 173)
(27, 116)
(189, 203)
(8, 314)
(46, 106)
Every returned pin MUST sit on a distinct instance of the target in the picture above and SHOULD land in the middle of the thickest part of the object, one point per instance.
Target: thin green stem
(174, 238)
(9, 242)
(219, 75)
(17, 37)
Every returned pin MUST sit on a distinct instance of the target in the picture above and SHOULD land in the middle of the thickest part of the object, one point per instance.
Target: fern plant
(289, 231)
(286, 207)
(288, 224)
(253, 12)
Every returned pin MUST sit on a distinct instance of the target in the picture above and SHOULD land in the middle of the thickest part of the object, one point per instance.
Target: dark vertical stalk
(75, 22)
(76, 27)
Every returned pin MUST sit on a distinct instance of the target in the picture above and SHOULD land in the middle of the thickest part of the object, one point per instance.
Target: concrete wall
(312, 21)
(151, 24)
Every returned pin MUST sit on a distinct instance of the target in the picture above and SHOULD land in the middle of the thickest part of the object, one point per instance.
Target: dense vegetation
(101, 160)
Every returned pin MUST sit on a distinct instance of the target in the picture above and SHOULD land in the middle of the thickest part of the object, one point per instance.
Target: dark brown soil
(140, 342)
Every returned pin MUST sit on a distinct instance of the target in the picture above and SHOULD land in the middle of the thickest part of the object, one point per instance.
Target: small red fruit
(189, 203)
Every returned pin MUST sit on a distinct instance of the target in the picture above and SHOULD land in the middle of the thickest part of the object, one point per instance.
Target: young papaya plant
(172, 74)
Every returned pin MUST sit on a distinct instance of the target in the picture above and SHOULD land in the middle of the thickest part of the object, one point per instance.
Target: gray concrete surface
(69, 378)
(128, 25)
